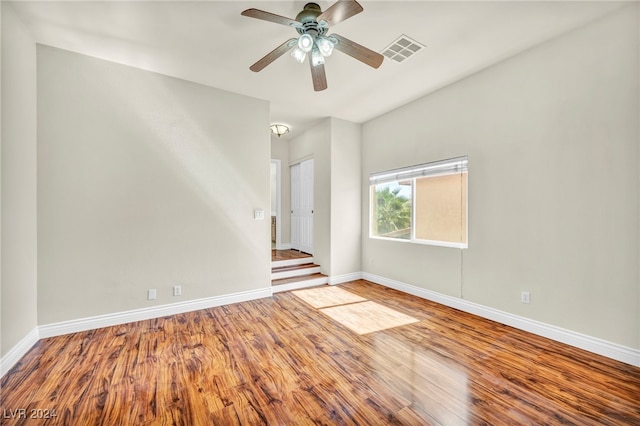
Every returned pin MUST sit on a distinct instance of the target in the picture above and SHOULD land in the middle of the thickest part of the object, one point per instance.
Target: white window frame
(438, 168)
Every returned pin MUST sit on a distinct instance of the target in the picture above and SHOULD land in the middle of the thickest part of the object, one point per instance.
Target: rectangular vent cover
(403, 48)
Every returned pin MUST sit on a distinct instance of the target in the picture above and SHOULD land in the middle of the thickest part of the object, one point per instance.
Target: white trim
(291, 262)
(12, 357)
(99, 321)
(278, 275)
(339, 279)
(73, 326)
(300, 160)
(283, 246)
(300, 284)
(419, 241)
(449, 166)
(412, 238)
(278, 164)
(592, 344)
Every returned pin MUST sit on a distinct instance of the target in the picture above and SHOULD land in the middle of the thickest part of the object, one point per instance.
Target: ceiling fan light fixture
(316, 57)
(325, 46)
(312, 25)
(299, 54)
(279, 129)
(305, 43)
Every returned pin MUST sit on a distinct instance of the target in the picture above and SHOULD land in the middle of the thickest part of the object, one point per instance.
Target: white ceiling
(209, 42)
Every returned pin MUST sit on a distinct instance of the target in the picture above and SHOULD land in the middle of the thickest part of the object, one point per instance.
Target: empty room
(340, 212)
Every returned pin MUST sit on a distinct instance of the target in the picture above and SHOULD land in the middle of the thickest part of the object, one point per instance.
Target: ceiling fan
(313, 24)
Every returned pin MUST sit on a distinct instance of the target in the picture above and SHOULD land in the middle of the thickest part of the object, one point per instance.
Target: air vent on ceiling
(403, 48)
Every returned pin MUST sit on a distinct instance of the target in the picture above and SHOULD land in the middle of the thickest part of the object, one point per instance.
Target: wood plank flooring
(279, 361)
(327, 295)
(277, 255)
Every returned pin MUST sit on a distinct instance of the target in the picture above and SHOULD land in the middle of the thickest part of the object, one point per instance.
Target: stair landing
(292, 272)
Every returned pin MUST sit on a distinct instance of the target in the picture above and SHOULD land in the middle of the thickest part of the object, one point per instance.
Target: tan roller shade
(441, 208)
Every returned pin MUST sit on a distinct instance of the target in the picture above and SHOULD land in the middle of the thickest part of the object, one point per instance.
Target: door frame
(278, 209)
(299, 246)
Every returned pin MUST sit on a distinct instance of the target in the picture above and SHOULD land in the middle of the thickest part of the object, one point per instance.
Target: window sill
(424, 242)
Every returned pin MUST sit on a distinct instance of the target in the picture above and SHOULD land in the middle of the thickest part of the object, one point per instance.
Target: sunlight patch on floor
(367, 317)
(322, 297)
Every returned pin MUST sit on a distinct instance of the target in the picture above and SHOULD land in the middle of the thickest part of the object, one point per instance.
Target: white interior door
(302, 206)
(306, 206)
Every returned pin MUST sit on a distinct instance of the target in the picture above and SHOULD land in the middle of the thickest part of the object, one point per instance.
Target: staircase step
(291, 262)
(294, 283)
(294, 270)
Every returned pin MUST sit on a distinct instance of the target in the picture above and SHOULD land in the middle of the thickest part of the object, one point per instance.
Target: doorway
(276, 205)
(302, 206)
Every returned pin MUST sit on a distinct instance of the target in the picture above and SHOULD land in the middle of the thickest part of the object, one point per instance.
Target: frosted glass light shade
(325, 46)
(279, 129)
(299, 54)
(316, 57)
(305, 42)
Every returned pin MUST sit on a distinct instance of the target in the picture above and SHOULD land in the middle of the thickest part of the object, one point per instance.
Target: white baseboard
(339, 279)
(18, 351)
(83, 324)
(283, 246)
(592, 344)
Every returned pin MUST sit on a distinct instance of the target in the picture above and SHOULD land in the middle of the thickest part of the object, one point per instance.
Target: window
(424, 204)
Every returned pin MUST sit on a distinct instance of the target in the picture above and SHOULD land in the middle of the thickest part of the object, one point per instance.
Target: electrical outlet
(177, 290)
(525, 297)
(151, 294)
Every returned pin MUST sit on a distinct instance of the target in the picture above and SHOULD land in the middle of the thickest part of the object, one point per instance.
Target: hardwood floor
(287, 255)
(279, 361)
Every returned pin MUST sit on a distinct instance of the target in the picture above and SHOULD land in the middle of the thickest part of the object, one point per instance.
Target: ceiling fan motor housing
(312, 24)
(309, 22)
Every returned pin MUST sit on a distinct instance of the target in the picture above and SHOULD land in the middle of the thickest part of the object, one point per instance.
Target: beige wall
(346, 236)
(145, 181)
(19, 241)
(552, 136)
